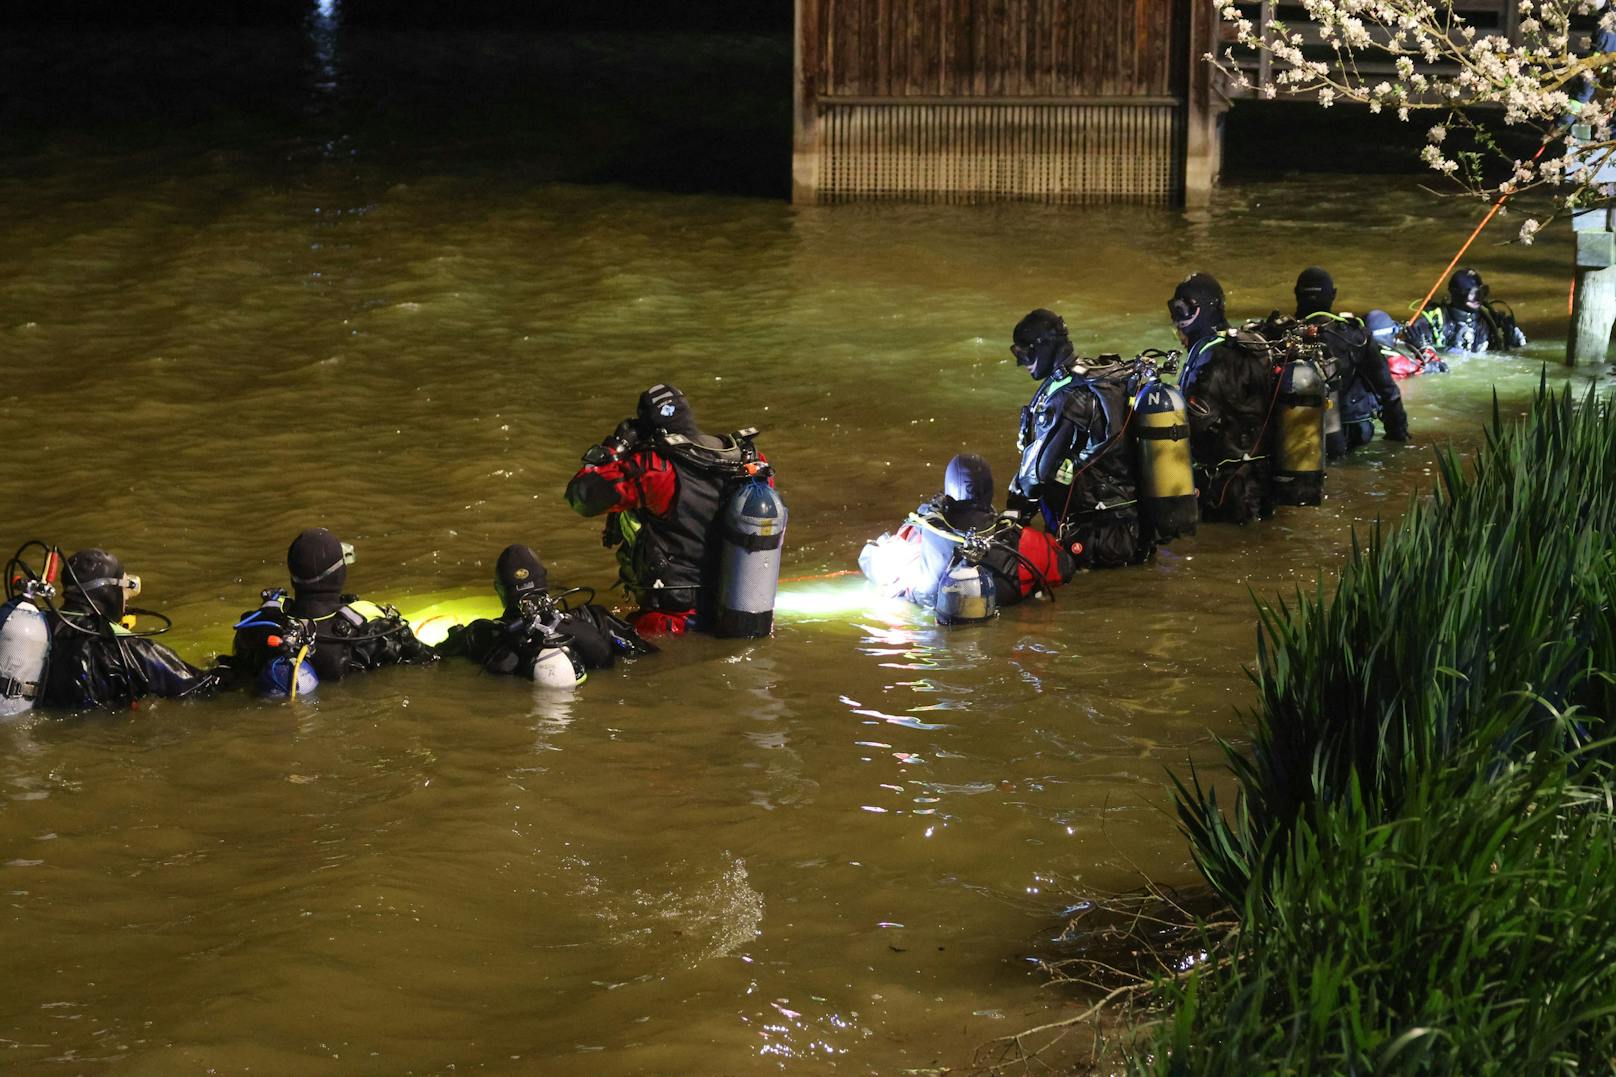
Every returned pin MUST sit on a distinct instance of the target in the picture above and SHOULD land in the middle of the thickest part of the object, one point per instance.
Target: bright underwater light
(431, 623)
(847, 597)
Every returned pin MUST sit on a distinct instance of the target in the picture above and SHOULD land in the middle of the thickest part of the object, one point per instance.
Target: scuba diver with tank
(539, 636)
(1229, 383)
(697, 524)
(1469, 321)
(1361, 382)
(1107, 493)
(1404, 358)
(955, 555)
(320, 633)
(90, 652)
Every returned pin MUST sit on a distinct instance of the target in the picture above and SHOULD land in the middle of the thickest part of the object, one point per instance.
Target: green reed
(1419, 849)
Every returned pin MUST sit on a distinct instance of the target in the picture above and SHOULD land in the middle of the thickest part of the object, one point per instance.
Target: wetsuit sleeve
(1377, 375)
(475, 641)
(639, 479)
(618, 632)
(167, 674)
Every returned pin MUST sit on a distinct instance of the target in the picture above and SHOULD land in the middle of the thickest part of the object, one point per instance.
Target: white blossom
(1442, 62)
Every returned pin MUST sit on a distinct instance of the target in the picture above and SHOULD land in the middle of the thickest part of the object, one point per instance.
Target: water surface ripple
(835, 849)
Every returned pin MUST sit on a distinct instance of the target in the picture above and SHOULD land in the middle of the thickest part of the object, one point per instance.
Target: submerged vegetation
(1420, 860)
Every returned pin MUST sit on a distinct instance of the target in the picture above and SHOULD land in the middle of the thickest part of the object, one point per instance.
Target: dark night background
(692, 96)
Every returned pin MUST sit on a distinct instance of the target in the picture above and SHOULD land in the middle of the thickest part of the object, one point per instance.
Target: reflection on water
(834, 848)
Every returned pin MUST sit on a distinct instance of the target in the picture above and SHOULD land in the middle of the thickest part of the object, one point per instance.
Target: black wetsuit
(1363, 384)
(512, 643)
(97, 665)
(1228, 381)
(347, 634)
(1452, 327)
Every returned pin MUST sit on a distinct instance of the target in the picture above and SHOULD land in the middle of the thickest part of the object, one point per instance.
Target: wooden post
(1593, 314)
(1593, 295)
(805, 105)
(1203, 141)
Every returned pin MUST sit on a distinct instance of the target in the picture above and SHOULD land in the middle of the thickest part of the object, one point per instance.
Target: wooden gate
(972, 100)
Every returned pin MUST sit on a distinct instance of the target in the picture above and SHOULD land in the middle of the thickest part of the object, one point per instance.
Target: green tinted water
(839, 848)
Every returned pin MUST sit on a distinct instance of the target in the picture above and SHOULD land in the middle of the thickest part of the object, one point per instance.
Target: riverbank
(1415, 869)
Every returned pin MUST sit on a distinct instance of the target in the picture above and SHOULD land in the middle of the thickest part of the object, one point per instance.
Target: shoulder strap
(359, 611)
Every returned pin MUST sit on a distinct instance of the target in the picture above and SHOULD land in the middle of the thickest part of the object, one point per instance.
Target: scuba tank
(24, 650)
(966, 595)
(555, 665)
(25, 633)
(1298, 477)
(555, 668)
(1166, 479)
(282, 645)
(754, 530)
(275, 681)
(288, 675)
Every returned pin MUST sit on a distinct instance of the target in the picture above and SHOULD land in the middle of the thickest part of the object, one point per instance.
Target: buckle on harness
(12, 688)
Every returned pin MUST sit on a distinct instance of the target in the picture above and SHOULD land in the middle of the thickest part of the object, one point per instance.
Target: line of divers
(1113, 459)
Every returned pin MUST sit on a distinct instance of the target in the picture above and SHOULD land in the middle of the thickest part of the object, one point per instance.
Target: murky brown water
(836, 849)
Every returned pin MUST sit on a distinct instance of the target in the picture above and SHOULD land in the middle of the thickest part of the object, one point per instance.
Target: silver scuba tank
(754, 530)
(24, 650)
(966, 595)
(555, 668)
(1298, 477)
(1161, 430)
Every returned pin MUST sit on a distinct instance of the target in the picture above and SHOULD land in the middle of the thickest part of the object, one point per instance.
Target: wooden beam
(806, 73)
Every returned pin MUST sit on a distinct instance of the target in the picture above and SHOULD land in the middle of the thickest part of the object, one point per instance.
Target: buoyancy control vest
(1447, 327)
(1228, 380)
(671, 563)
(1097, 478)
(955, 533)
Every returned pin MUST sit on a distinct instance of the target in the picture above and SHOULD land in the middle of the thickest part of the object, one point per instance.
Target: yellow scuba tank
(1161, 430)
(1298, 477)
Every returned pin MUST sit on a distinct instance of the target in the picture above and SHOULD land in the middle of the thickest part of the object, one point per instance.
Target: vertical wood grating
(962, 152)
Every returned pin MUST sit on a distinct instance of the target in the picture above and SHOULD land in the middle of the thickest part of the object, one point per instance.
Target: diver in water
(1403, 358)
(96, 659)
(1361, 381)
(342, 633)
(663, 484)
(1228, 381)
(960, 525)
(538, 636)
(1077, 469)
(1469, 321)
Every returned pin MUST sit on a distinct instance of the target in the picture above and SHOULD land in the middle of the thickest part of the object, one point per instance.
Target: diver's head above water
(1041, 343)
(1315, 292)
(1467, 290)
(519, 572)
(1197, 308)
(664, 408)
(97, 583)
(1382, 326)
(318, 563)
(969, 480)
